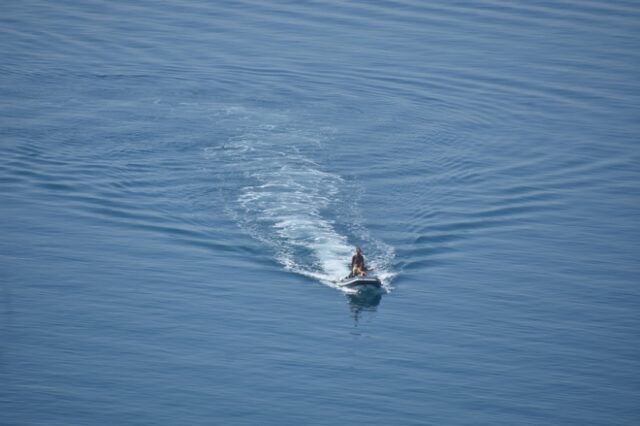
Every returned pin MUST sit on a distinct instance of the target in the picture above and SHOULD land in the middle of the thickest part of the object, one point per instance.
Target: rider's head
(358, 250)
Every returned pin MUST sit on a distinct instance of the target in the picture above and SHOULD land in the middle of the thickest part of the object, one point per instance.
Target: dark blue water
(181, 184)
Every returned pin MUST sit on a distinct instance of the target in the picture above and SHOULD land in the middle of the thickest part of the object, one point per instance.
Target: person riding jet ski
(358, 268)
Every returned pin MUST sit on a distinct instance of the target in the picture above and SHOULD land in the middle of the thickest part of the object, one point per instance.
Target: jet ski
(358, 282)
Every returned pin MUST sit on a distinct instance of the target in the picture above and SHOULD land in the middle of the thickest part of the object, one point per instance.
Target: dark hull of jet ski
(356, 282)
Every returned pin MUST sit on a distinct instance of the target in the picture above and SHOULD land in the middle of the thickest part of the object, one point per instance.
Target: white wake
(287, 201)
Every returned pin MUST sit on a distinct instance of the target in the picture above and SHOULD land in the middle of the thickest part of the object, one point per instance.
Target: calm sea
(182, 183)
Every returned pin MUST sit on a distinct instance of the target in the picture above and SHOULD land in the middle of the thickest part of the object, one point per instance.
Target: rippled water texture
(183, 183)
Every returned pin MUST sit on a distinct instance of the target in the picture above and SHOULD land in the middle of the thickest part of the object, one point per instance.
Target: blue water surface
(183, 183)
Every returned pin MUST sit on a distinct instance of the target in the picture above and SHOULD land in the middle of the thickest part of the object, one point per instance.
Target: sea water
(183, 183)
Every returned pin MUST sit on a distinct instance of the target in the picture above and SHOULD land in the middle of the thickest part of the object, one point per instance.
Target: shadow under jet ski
(365, 299)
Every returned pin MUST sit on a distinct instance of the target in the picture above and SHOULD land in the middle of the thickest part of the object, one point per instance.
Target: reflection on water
(365, 299)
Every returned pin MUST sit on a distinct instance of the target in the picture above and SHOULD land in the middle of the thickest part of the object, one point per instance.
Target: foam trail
(287, 201)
